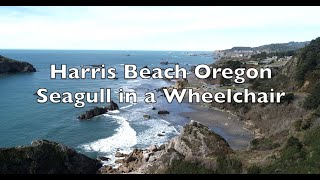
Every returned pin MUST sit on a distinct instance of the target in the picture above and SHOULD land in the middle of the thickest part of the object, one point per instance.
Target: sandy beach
(223, 123)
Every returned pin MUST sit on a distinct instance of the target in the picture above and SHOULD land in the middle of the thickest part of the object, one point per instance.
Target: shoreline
(219, 121)
(223, 123)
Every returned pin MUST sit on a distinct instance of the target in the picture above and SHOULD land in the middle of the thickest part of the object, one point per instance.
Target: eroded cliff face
(45, 157)
(270, 119)
(12, 66)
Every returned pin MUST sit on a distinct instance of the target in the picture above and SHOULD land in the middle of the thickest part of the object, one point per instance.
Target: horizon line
(1, 49)
(152, 49)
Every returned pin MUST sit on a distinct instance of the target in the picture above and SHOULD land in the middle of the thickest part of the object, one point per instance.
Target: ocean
(24, 120)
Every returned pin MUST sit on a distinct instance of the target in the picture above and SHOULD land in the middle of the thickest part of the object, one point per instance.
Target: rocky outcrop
(131, 162)
(163, 112)
(12, 66)
(102, 158)
(45, 157)
(164, 62)
(119, 154)
(113, 106)
(180, 84)
(167, 63)
(96, 111)
(195, 142)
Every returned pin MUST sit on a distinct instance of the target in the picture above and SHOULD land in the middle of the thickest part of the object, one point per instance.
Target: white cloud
(119, 27)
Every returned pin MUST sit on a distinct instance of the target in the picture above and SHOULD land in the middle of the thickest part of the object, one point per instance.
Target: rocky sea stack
(12, 66)
(45, 157)
(96, 111)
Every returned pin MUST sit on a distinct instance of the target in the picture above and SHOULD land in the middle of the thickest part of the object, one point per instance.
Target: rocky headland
(8, 66)
(195, 144)
(45, 157)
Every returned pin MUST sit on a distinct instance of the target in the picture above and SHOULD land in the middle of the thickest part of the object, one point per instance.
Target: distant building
(253, 62)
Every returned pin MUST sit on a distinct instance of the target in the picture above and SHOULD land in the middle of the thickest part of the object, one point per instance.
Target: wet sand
(223, 123)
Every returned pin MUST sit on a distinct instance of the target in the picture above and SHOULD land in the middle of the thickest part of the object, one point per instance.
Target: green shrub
(254, 170)
(226, 165)
(308, 59)
(263, 144)
(232, 65)
(186, 167)
(313, 100)
(288, 98)
(298, 156)
(307, 124)
(297, 125)
(277, 83)
(316, 113)
(291, 157)
(294, 142)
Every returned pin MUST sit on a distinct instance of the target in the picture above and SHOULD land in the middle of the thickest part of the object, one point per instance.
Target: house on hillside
(252, 62)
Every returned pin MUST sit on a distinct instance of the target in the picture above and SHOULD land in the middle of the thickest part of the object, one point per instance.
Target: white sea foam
(127, 89)
(114, 112)
(134, 81)
(124, 138)
(124, 89)
(125, 107)
(155, 127)
(140, 99)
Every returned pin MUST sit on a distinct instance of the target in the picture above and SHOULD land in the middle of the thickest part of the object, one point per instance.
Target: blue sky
(154, 28)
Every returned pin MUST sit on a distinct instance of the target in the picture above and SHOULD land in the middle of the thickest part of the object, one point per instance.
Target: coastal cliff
(45, 157)
(289, 131)
(288, 140)
(287, 134)
(202, 150)
(8, 65)
(197, 147)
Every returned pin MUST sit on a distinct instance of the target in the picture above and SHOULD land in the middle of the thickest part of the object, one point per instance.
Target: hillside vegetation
(290, 131)
(300, 154)
(276, 47)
